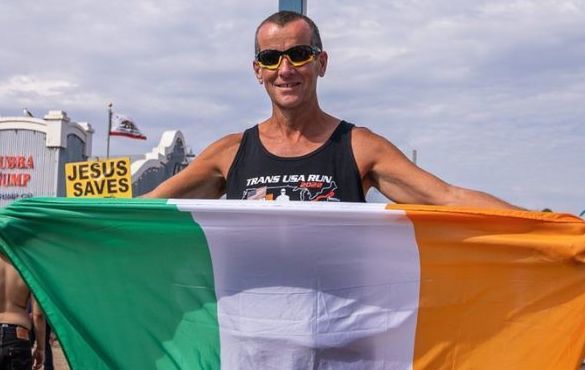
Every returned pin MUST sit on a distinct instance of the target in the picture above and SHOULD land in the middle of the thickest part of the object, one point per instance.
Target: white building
(33, 153)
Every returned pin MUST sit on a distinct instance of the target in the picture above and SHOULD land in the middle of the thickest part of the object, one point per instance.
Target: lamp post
(299, 6)
(109, 129)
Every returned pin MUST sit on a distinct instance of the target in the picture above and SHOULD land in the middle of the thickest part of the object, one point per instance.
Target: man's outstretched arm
(390, 171)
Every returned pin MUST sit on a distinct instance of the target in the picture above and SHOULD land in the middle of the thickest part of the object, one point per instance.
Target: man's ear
(323, 57)
(257, 71)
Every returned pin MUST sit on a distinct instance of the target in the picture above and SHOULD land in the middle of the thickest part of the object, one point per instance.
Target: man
(15, 322)
(302, 148)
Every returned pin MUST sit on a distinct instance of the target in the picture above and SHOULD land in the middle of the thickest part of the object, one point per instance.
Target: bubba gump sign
(13, 170)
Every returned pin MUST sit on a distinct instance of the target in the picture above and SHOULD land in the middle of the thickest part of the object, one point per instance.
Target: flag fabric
(195, 284)
(123, 125)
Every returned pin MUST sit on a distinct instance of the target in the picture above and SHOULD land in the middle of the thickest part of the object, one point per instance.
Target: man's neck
(306, 121)
(294, 133)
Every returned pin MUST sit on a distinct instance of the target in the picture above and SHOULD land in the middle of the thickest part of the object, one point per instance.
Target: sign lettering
(109, 178)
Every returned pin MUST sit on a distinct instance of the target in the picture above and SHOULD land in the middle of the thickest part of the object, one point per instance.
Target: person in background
(16, 323)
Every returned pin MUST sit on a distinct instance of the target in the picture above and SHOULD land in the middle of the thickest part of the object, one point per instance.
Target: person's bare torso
(14, 296)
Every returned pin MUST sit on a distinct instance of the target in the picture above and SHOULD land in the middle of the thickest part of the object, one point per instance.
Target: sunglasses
(297, 56)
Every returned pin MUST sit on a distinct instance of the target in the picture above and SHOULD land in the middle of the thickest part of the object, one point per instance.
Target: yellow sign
(110, 178)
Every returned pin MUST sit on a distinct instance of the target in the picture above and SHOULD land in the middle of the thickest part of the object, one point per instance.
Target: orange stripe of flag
(499, 289)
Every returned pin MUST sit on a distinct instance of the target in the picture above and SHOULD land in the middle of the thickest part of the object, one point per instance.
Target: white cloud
(30, 85)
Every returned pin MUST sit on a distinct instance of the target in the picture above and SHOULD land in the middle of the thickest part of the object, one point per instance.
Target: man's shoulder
(364, 136)
(231, 139)
(370, 146)
(227, 142)
(360, 130)
(222, 152)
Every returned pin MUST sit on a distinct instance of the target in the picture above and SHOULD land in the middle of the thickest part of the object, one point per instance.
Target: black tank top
(329, 173)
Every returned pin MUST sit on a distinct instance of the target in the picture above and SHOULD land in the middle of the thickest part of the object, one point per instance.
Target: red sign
(15, 162)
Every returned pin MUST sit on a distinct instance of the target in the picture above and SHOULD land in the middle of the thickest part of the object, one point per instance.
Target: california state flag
(194, 284)
(123, 125)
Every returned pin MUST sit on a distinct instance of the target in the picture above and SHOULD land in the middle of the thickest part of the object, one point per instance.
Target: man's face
(289, 87)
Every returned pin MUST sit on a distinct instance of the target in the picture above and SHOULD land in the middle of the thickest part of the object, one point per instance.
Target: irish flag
(193, 284)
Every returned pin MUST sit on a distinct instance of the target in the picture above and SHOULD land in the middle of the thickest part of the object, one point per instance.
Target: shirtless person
(15, 322)
(313, 154)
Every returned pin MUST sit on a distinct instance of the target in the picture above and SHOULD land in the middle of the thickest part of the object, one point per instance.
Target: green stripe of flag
(165, 309)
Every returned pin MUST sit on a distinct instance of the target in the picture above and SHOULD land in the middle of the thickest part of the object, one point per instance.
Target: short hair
(285, 17)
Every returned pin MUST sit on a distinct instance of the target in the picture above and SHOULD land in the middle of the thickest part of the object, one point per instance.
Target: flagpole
(109, 130)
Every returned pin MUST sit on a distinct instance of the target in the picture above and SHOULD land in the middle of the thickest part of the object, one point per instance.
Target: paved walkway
(59, 361)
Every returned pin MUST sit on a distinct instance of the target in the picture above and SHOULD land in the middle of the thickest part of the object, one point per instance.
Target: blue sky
(491, 94)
